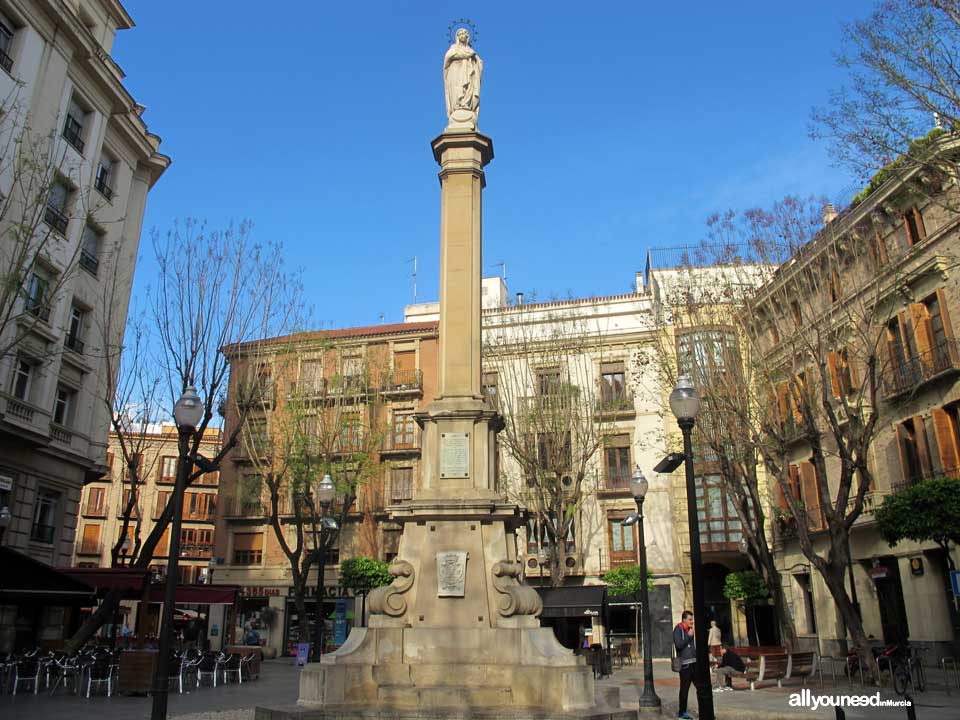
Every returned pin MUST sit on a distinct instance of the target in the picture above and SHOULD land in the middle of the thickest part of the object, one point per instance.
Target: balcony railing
(615, 403)
(101, 185)
(72, 342)
(19, 409)
(6, 62)
(196, 550)
(88, 261)
(247, 508)
(89, 548)
(545, 403)
(38, 308)
(56, 219)
(60, 434)
(71, 133)
(617, 482)
(205, 516)
(402, 438)
(902, 377)
(403, 381)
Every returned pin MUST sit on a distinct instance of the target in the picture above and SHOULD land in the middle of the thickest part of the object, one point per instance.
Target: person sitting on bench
(730, 665)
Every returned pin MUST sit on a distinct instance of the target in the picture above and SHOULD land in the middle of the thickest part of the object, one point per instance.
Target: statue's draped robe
(461, 78)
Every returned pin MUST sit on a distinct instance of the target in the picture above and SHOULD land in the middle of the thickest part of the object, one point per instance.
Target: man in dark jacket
(685, 644)
(730, 664)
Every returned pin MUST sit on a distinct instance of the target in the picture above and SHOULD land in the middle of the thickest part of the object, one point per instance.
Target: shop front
(338, 612)
(576, 613)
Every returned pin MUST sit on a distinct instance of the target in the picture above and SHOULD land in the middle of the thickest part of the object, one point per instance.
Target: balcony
(71, 133)
(101, 185)
(616, 484)
(330, 389)
(72, 342)
(86, 547)
(6, 62)
(545, 404)
(25, 416)
(247, 508)
(402, 439)
(198, 516)
(89, 262)
(196, 550)
(615, 405)
(56, 219)
(38, 308)
(903, 377)
(403, 383)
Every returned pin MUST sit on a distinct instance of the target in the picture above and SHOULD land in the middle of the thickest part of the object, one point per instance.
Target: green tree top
(745, 586)
(929, 510)
(362, 574)
(625, 581)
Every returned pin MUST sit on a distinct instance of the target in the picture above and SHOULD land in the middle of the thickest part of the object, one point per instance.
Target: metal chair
(247, 664)
(209, 666)
(67, 670)
(232, 666)
(175, 670)
(26, 670)
(100, 672)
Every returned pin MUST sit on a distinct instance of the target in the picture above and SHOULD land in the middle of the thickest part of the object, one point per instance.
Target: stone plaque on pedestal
(451, 574)
(454, 455)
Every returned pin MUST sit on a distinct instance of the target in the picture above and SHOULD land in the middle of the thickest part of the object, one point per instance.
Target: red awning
(130, 580)
(198, 594)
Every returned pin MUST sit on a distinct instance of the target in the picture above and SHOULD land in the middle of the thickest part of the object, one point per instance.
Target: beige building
(905, 275)
(96, 168)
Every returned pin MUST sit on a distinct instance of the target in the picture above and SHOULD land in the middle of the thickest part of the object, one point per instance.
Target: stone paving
(278, 685)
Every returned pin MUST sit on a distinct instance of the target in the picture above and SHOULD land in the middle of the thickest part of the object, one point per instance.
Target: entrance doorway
(893, 611)
(717, 606)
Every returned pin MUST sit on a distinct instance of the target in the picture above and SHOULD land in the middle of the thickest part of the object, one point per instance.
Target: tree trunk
(774, 580)
(303, 630)
(835, 578)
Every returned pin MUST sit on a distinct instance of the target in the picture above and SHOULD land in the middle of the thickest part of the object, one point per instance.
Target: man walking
(685, 644)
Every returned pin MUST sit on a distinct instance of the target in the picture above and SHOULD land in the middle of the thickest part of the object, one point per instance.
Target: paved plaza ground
(278, 685)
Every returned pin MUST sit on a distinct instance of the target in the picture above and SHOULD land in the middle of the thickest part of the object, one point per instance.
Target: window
(554, 452)
(90, 246)
(878, 250)
(351, 435)
(135, 467)
(199, 506)
(616, 455)
(103, 181)
(168, 469)
(401, 484)
(841, 374)
(311, 376)
(834, 285)
(806, 592)
(796, 313)
(6, 43)
(63, 405)
(914, 451)
(704, 355)
(78, 320)
(264, 383)
(405, 368)
(135, 510)
(45, 516)
(73, 126)
(37, 301)
(913, 226)
(249, 497)
(163, 497)
(716, 516)
(404, 431)
(247, 548)
(196, 542)
(489, 386)
(548, 381)
(90, 542)
(613, 388)
(96, 497)
(351, 369)
(22, 377)
(258, 439)
(162, 548)
(55, 214)
(946, 428)
(623, 548)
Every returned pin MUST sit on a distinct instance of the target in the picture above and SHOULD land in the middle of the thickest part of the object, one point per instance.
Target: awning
(23, 578)
(198, 594)
(573, 601)
(130, 580)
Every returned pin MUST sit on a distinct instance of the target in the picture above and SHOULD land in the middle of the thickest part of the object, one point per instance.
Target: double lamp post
(685, 404)
(326, 491)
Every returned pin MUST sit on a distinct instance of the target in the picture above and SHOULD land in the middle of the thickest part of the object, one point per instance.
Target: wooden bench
(804, 665)
(770, 667)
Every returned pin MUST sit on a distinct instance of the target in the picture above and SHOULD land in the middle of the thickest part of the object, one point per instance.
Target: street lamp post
(685, 404)
(187, 412)
(638, 487)
(325, 494)
(4, 521)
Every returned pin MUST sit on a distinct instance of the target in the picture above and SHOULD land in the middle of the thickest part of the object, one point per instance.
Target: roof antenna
(381, 318)
(414, 279)
(503, 269)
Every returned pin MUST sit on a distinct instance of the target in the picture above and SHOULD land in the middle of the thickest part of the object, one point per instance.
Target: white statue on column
(462, 68)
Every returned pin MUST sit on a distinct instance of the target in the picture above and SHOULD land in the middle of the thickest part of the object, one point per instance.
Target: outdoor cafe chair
(246, 663)
(26, 670)
(100, 672)
(67, 670)
(175, 670)
(208, 666)
(232, 666)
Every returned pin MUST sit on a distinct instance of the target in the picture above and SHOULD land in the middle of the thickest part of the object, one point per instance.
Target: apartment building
(94, 162)
(886, 270)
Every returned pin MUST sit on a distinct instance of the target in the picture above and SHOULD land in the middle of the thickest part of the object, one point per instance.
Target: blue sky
(616, 127)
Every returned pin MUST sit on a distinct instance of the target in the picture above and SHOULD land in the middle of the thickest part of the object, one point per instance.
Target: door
(893, 611)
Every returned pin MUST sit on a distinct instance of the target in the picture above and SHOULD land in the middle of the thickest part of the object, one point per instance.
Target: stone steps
(446, 696)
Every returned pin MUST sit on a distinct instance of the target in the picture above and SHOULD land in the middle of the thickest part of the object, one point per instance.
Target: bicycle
(906, 669)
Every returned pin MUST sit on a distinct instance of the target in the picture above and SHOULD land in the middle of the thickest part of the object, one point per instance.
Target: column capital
(461, 150)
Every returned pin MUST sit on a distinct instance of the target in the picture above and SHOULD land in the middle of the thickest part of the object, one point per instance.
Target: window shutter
(944, 313)
(834, 375)
(923, 450)
(946, 442)
(903, 445)
(405, 361)
(247, 541)
(91, 535)
(920, 318)
(918, 218)
(811, 497)
(794, 476)
(906, 332)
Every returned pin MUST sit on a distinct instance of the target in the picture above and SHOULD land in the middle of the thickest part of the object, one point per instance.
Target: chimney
(519, 298)
(829, 213)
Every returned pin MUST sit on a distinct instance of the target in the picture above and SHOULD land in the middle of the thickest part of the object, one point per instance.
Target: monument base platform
(352, 712)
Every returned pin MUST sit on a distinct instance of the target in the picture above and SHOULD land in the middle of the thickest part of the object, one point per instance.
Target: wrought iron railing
(101, 185)
(72, 342)
(615, 402)
(403, 380)
(71, 132)
(56, 219)
(906, 375)
(89, 261)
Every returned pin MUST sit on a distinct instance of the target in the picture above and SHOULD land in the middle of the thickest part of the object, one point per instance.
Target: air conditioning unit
(573, 564)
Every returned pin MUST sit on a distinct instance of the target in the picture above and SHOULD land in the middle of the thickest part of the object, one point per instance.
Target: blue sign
(340, 623)
(303, 653)
(955, 582)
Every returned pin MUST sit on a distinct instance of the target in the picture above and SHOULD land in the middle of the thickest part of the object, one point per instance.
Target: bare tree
(554, 412)
(214, 290)
(323, 416)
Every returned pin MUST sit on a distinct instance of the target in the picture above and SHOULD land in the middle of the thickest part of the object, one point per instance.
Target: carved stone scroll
(389, 600)
(516, 598)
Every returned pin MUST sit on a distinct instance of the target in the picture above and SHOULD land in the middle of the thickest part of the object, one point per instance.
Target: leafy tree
(747, 587)
(926, 512)
(362, 574)
(625, 581)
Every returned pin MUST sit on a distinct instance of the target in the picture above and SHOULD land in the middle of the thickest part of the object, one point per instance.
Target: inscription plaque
(454, 455)
(451, 573)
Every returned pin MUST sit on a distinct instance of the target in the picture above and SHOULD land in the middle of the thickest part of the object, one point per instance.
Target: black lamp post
(685, 404)
(325, 494)
(638, 487)
(187, 412)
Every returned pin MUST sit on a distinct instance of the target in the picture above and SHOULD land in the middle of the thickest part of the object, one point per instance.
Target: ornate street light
(685, 404)
(326, 491)
(638, 488)
(187, 412)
